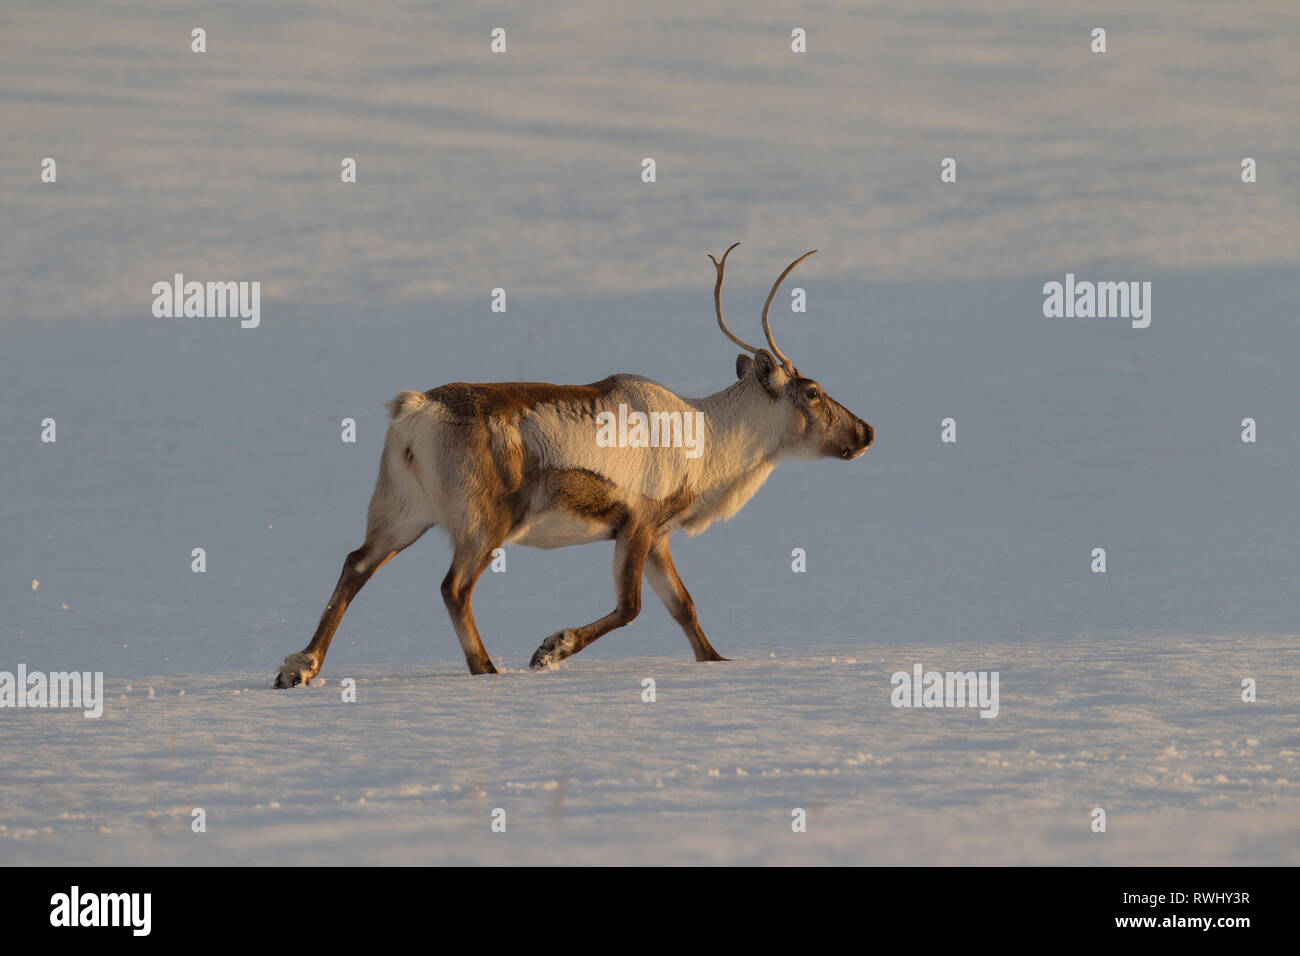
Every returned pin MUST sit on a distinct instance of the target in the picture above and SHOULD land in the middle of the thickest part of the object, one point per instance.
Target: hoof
(484, 666)
(296, 669)
(554, 649)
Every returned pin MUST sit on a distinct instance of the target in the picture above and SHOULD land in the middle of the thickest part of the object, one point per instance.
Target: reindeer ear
(744, 365)
(769, 374)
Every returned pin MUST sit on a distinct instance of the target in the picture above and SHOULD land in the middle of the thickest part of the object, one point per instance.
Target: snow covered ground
(586, 771)
(1119, 690)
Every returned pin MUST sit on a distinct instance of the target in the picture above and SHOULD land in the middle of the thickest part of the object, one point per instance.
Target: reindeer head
(814, 424)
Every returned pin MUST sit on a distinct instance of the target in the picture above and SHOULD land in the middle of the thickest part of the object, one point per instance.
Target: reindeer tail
(405, 403)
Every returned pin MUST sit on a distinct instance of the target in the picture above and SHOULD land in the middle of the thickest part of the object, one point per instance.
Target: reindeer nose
(866, 434)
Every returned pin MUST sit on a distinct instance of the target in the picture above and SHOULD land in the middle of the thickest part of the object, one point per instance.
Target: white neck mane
(743, 449)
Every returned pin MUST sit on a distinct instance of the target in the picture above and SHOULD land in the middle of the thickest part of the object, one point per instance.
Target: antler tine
(767, 328)
(721, 267)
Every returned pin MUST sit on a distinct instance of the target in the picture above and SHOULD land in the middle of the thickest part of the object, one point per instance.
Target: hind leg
(470, 561)
(400, 512)
(357, 570)
(392, 525)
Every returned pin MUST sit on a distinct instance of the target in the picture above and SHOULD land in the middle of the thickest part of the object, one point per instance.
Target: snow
(1119, 690)
(708, 773)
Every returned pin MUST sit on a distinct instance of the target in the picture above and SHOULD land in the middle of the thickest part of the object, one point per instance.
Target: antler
(717, 299)
(767, 328)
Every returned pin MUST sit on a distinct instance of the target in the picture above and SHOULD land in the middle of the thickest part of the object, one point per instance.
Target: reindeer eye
(813, 394)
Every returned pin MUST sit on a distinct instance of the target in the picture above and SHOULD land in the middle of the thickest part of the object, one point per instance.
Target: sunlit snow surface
(709, 773)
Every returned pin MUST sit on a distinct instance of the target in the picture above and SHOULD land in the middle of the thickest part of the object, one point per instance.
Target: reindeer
(518, 462)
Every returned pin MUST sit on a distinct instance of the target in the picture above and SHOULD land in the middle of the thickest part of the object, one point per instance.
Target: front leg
(629, 562)
(668, 585)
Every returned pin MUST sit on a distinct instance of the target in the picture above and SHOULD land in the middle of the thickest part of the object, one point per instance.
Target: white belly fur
(558, 529)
